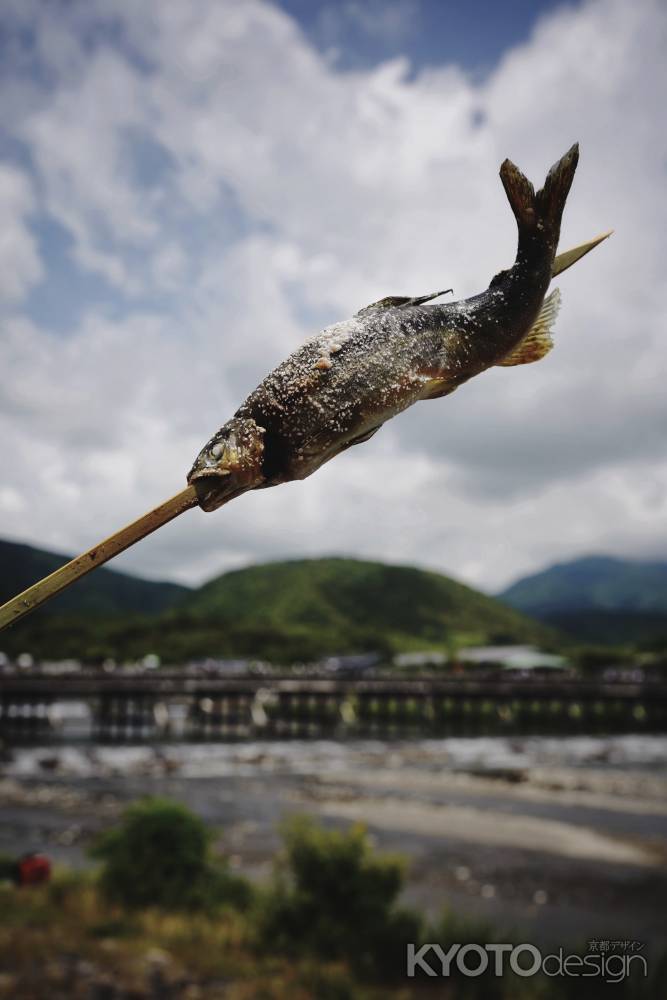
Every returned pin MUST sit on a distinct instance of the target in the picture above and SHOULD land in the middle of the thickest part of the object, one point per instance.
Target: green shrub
(331, 897)
(455, 928)
(452, 928)
(327, 982)
(8, 867)
(159, 856)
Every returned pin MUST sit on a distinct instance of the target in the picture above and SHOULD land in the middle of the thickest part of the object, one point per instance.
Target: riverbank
(563, 839)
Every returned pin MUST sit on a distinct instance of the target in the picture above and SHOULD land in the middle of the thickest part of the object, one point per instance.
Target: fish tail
(538, 214)
(552, 197)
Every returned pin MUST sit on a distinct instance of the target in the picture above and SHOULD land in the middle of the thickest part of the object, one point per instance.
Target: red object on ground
(33, 869)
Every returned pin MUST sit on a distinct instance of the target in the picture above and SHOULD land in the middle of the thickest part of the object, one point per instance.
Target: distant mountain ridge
(304, 608)
(605, 583)
(597, 598)
(103, 592)
(281, 611)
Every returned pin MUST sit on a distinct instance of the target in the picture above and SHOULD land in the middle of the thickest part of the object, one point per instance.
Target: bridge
(167, 704)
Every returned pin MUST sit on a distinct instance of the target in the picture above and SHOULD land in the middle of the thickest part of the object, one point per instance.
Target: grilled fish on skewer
(341, 386)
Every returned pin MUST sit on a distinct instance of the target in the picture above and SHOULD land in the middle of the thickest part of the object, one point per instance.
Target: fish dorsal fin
(399, 301)
(390, 302)
(537, 342)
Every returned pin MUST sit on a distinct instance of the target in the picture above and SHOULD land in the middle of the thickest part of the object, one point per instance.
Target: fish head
(229, 464)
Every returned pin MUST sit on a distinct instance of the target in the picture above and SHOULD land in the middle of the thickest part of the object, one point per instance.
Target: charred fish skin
(339, 387)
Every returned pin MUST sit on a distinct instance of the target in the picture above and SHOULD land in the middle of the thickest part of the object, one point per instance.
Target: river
(561, 838)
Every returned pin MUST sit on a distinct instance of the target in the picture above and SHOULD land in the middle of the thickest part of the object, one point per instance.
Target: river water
(638, 753)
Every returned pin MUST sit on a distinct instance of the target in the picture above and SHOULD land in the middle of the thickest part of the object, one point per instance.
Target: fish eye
(217, 449)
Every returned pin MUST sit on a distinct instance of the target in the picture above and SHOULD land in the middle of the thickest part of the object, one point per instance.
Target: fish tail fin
(539, 213)
(552, 197)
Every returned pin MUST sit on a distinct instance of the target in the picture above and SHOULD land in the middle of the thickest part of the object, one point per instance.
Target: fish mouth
(214, 487)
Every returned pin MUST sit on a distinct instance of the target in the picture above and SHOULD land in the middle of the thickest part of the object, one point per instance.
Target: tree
(333, 898)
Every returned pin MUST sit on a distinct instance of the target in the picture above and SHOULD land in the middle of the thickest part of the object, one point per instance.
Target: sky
(189, 190)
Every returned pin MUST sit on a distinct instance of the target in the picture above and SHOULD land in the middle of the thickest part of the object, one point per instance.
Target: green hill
(283, 612)
(104, 592)
(597, 598)
(348, 601)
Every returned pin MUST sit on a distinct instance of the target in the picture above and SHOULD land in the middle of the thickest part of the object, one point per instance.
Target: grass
(56, 939)
(327, 926)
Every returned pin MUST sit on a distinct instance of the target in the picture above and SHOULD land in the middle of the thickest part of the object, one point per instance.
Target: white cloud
(20, 264)
(209, 155)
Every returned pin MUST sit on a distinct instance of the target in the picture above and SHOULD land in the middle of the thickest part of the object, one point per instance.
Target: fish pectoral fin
(570, 257)
(400, 301)
(365, 436)
(538, 341)
(438, 388)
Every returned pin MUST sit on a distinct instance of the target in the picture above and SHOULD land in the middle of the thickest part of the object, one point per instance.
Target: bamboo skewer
(571, 256)
(51, 585)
